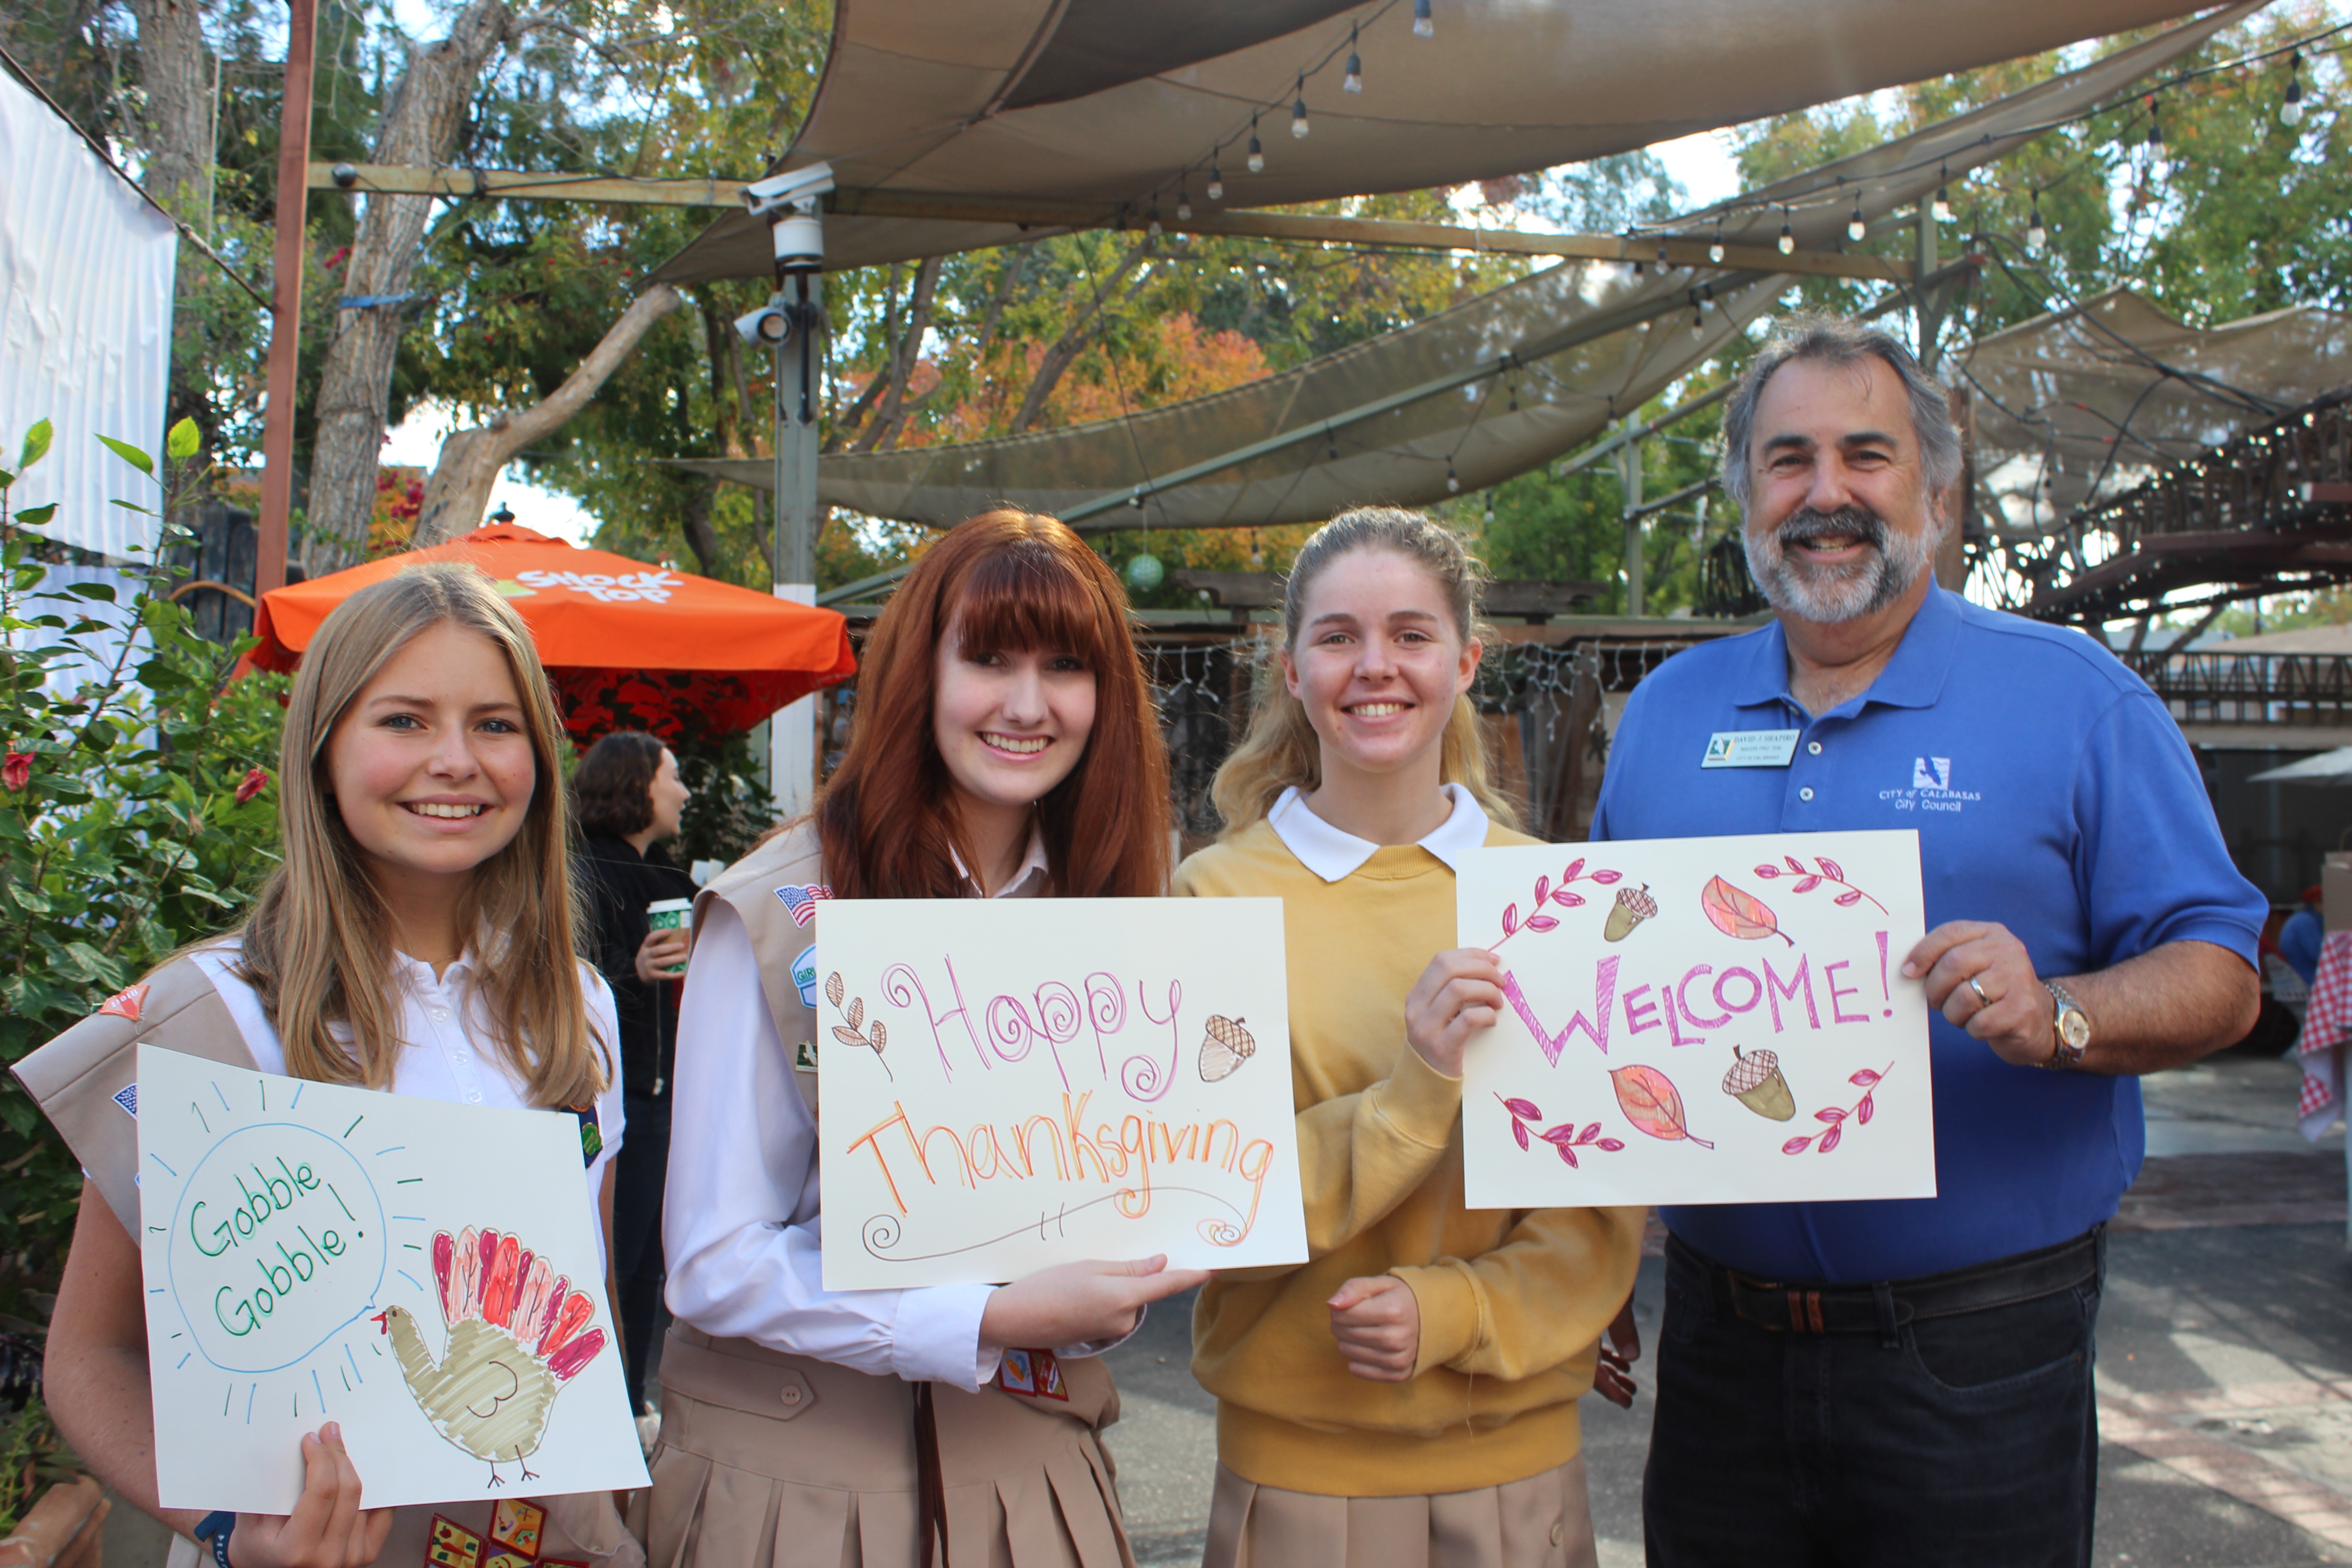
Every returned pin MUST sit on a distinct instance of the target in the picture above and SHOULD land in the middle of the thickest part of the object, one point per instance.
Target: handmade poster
(1009, 1084)
(427, 1274)
(1699, 1020)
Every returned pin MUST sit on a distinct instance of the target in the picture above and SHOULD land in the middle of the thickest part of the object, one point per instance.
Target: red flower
(251, 784)
(16, 770)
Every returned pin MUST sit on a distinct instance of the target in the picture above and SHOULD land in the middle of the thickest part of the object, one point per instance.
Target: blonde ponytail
(1281, 749)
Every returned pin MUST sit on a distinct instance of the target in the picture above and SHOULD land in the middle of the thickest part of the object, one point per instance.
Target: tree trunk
(904, 357)
(458, 492)
(1073, 342)
(178, 90)
(420, 130)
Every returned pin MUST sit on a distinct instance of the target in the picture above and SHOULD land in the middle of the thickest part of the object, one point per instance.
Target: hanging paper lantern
(1145, 572)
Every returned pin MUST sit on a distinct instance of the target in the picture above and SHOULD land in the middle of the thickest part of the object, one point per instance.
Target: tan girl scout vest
(970, 1455)
(84, 1081)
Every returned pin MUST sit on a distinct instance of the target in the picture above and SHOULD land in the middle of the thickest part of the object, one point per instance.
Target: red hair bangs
(1029, 596)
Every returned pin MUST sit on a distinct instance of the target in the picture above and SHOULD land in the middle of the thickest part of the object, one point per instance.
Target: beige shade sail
(1120, 103)
(2090, 398)
(1473, 396)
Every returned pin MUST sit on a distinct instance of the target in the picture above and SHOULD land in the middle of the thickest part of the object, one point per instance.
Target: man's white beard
(1828, 594)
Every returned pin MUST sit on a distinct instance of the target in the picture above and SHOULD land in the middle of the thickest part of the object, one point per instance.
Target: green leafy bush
(137, 812)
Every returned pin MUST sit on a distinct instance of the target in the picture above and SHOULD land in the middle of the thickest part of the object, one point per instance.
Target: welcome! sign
(1699, 1020)
(1007, 1084)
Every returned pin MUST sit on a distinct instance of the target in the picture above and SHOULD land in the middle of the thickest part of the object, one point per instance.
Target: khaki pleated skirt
(769, 1460)
(1543, 1522)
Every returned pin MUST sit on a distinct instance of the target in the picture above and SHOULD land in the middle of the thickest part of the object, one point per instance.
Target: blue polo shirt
(2052, 793)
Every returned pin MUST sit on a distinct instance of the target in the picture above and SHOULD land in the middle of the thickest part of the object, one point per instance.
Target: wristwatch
(2074, 1030)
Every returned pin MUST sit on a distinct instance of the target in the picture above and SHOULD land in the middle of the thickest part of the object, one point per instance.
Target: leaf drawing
(1831, 868)
(1547, 892)
(1840, 1117)
(856, 1033)
(1735, 913)
(856, 1012)
(1542, 923)
(1652, 1103)
(832, 988)
(1567, 900)
(1828, 870)
(1565, 1139)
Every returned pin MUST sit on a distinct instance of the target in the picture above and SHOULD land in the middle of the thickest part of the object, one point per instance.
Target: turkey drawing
(514, 1342)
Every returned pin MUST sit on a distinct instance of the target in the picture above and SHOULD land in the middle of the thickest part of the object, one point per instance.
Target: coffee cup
(671, 914)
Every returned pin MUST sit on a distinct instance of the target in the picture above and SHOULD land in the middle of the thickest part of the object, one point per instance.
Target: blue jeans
(1966, 1440)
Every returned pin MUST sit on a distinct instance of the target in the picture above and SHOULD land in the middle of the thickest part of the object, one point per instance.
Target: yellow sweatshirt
(1512, 1300)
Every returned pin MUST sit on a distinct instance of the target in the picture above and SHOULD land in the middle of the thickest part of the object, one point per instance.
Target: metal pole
(1629, 468)
(800, 406)
(1929, 303)
(285, 300)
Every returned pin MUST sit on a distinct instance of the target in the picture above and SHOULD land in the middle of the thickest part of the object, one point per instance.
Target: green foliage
(122, 832)
(33, 1457)
(730, 809)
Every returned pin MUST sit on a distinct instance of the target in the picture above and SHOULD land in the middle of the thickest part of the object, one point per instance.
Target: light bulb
(1423, 28)
(1183, 208)
(1662, 262)
(1354, 80)
(2291, 110)
(1943, 208)
(1854, 227)
(1155, 220)
(1257, 152)
(1453, 480)
(1698, 323)
(2155, 124)
(1787, 239)
(1216, 183)
(2037, 234)
(1299, 126)
(1715, 251)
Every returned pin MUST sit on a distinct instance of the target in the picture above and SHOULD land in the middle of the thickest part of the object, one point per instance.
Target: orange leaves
(1653, 1104)
(1743, 915)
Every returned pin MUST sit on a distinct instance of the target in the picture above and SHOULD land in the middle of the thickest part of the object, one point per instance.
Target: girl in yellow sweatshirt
(1406, 1398)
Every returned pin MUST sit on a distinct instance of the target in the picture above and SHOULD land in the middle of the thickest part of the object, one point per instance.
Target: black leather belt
(1814, 1307)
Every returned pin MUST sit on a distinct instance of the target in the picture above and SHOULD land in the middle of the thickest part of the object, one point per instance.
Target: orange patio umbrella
(627, 646)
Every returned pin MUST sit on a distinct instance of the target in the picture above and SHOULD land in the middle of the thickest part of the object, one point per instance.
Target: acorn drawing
(1225, 1047)
(1634, 906)
(1755, 1082)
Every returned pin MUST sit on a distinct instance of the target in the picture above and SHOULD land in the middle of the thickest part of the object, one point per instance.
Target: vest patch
(591, 1135)
(801, 900)
(804, 1056)
(127, 1097)
(1034, 1373)
(127, 1002)
(804, 975)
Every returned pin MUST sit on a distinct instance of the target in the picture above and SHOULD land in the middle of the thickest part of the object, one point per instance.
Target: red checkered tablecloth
(2326, 1027)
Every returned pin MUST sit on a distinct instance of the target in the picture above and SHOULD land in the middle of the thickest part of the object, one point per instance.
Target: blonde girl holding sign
(1407, 1398)
(416, 937)
(1005, 747)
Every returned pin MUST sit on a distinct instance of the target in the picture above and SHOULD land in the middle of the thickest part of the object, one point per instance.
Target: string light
(1354, 80)
(1662, 262)
(1944, 193)
(1299, 126)
(1257, 152)
(2291, 110)
(1854, 227)
(2037, 233)
(1423, 28)
(1183, 205)
(2155, 122)
(1788, 238)
(1155, 216)
(1453, 480)
(1216, 183)
(1715, 251)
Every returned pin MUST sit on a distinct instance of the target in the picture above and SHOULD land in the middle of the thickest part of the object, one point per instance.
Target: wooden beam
(509, 184)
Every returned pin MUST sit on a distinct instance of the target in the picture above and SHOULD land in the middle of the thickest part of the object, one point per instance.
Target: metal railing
(2250, 688)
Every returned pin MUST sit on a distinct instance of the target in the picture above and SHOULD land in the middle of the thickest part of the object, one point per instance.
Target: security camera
(766, 327)
(789, 202)
(344, 176)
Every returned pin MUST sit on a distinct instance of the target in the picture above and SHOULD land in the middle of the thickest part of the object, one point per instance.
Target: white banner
(1699, 1020)
(1012, 1083)
(426, 1274)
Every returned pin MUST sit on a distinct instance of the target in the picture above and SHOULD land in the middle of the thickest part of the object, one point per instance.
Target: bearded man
(1910, 1382)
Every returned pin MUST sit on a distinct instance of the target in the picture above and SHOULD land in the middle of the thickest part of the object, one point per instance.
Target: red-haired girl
(1005, 747)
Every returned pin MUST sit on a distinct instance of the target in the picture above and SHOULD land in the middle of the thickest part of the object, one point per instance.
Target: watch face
(2075, 1030)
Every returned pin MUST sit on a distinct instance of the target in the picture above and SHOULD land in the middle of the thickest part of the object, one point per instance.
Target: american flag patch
(802, 902)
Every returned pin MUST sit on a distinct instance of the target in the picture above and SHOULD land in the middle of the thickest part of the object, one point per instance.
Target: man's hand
(660, 955)
(1620, 1347)
(1459, 994)
(328, 1528)
(1378, 1325)
(1978, 975)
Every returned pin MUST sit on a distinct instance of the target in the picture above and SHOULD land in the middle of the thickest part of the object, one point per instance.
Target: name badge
(1749, 748)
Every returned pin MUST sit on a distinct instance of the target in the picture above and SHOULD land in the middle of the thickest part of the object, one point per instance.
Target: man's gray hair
(1838, 340)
